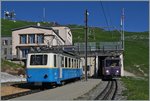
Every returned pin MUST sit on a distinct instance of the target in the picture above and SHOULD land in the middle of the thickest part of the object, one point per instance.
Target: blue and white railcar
(52, 67)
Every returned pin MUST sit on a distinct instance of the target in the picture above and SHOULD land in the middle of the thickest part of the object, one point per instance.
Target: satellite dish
(9, 15)
(6, 13)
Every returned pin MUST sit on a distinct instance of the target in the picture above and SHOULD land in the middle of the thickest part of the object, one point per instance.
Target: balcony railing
(99, 46)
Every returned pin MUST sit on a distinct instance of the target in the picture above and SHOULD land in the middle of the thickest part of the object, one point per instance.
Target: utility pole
(122, 28)
(86, 28)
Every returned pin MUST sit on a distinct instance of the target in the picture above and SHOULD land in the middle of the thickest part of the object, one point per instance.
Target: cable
(109, 16)
(105, 15)
(111, 24)
(108, 24)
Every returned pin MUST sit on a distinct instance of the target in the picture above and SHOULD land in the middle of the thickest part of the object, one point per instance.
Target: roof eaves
(34, 26)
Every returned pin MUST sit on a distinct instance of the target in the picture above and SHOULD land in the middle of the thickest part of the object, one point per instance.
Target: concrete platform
(66, 92)
(5, 77)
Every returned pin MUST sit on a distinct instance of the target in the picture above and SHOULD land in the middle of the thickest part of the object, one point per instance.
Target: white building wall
(97, 64)
(69, 37)
(65, 33)
(122, 65)
(16, 38)
(91, 63)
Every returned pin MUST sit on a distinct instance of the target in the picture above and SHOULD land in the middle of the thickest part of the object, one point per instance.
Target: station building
(6, 48)
(27, 37)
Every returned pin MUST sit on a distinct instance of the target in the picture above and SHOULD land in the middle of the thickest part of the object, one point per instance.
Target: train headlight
(117, 71)
(107, 71)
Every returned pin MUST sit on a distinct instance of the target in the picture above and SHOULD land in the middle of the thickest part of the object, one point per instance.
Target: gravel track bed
(91, 95)
(119, 94)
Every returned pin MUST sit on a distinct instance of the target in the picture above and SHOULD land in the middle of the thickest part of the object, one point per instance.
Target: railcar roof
(56, 52)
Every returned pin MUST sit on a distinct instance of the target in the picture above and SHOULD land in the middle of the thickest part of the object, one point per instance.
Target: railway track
(109, 91)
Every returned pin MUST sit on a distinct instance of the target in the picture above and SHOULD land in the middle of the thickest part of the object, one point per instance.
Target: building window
(31, 38)
(5, 51)
(40, 38)
(10, 50)
(10, 42)
(23, 39)
(24, 52)
(5, 42)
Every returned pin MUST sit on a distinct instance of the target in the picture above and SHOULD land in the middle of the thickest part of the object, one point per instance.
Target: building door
(24, 52)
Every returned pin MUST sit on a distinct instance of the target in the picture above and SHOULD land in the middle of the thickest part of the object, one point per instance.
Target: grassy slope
(138, 89)
(136, 58)
(5, 63)
(8, 25)
(95, 34)
(136, 53)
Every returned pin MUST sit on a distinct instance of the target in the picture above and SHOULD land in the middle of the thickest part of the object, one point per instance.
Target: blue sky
(72, 12)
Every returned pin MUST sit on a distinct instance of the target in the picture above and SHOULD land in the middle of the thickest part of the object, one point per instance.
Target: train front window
(112, 63)
(38, 60)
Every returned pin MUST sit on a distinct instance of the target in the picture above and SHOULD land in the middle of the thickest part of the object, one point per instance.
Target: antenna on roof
(44, 15)
(4, 14)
